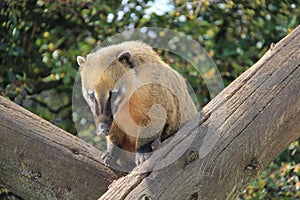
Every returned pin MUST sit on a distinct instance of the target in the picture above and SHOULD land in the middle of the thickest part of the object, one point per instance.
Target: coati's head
(106, 78)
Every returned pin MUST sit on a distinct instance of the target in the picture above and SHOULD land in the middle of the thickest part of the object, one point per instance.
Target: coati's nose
(102, 129)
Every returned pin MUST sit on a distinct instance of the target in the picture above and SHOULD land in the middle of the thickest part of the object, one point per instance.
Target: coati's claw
(108, 159)
(141, 157)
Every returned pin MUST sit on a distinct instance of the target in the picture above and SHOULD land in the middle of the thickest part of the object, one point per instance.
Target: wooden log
(40, 161)
(236, 136)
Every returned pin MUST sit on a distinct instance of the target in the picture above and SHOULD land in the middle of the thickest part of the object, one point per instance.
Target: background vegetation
(40, 39)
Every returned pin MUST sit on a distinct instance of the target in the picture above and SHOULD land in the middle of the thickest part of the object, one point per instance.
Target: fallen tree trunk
(40, 161)
(238, 134)
(220, 150)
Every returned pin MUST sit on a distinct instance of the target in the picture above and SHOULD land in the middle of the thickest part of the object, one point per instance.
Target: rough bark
(40, 161)
(236, 136)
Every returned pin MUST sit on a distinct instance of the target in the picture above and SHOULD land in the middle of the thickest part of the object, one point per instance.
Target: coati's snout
(103, 124)
(100, 105)
(102, 129)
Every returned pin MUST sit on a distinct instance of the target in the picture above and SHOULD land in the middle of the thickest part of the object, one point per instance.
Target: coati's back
(135, 97)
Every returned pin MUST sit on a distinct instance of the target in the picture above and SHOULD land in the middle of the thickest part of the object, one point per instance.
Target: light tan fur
(156, 103)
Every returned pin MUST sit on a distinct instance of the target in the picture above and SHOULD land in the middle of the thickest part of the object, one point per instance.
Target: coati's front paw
(141, 157)
(108, 159)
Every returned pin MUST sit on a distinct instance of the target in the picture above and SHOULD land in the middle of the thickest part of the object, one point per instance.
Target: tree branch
(40, 161)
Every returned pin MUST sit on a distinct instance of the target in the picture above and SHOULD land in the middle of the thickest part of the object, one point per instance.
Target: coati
(135, 97)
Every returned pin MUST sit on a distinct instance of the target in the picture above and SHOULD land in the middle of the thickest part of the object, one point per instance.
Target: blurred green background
(39, 42)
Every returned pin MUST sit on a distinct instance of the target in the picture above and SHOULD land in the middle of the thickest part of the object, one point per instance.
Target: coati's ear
(80, 61)
(125, 57)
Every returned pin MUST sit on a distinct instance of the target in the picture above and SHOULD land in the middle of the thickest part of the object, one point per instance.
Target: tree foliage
(40, 40)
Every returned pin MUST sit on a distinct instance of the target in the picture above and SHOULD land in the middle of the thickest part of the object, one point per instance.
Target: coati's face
(104, 85)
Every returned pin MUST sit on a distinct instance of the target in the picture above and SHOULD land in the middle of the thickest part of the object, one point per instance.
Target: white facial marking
(117, 101)
(90, 96)
(115, 91)
(123, 89)
(96, 96)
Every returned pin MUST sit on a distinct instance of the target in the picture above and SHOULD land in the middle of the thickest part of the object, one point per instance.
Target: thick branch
(237, 135)
(41, 161)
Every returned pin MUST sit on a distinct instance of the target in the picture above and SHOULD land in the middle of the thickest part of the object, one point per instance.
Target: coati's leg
(147, 136)
(115, 139)
(143, 152)
(112, 154)
(119, 159)
(145, 146)
(120, 148)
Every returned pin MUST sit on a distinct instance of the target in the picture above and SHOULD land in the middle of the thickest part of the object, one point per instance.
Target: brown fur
(149, 82)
